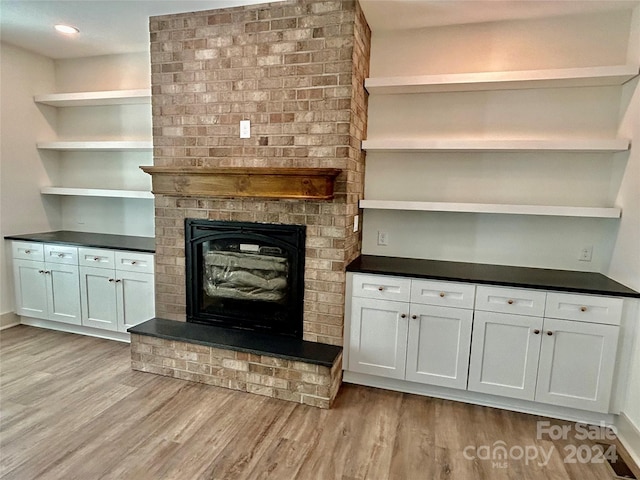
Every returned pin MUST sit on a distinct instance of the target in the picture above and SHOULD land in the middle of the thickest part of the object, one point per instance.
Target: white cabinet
(532, 345)
(378, 337)
(565, 362)
(417, 339)
(504, 354)
(46, 282)
(117, 289)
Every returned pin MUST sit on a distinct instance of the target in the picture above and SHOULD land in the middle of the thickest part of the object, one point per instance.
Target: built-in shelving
(96, 192)
(86, 99)
(544, 210)
(481, 145)
(509, 80)
(97, 146)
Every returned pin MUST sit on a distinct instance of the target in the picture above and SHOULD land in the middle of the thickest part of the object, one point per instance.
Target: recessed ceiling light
(66, 29)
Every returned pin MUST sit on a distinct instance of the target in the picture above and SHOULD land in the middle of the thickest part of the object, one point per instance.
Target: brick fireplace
(296, 70)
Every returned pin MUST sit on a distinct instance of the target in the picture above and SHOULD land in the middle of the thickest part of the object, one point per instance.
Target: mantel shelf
(481, 145)
(89, 99)
(96, 192)
(97, 146)
(232, 182)
(544, 210)
(509, 80)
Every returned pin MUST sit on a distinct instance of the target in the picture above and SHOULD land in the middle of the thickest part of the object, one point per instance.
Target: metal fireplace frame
(287, 320)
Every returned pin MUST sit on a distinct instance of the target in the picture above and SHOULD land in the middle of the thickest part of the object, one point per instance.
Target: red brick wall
(296, 70)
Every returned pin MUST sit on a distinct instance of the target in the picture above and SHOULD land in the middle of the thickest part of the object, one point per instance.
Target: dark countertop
(240, 340)
(537, 278)
(93, 240)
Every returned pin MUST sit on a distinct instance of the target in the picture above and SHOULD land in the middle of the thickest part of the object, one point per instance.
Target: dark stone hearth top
(537, 278)
(241, 341)
(93, 240)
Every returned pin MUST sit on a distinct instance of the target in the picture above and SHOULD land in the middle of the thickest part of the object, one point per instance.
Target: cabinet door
(30, 285)
(63, 296)
(504, 354)
(136, 300)
(576, 364)
(98, 293)
(378, 343)
(438, 345)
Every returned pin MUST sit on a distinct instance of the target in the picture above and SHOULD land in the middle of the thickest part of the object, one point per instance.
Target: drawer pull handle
(112, 280)
(118, 280)
(549, 332)
(380, 289)
(41, 271)
(28, 252)
(403, 315)
(415, 317)
(510, 302)
(96, 259)
(442, 294)
(536, 332)
(61, 255)
(133, 262)
(583, 309)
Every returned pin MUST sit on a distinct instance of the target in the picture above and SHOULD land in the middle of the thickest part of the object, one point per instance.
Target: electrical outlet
(586, 253)
(383, 238)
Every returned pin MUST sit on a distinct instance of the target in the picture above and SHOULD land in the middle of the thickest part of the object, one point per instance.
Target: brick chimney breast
(296, 71)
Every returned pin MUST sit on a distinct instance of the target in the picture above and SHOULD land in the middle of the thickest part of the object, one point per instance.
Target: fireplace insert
(245, 275)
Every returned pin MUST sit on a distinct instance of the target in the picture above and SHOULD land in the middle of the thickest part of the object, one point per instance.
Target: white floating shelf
(510, 80)
(96, 192)
(87, 99)
(104, 146)
(555, 211)
(463, 145)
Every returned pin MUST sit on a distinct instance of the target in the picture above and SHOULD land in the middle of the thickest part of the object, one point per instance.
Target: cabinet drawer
(381, 287)
(97, 257)
(446, 294)
(586, 308)
(61, 254)
(134, 262)
(510, 300)
(28, 250)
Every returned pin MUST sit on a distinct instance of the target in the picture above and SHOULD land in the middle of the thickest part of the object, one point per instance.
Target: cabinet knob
(549, 332)
(510, 302)
(536, 332)
(403, 315)
(442, 294)
(415, 317)
(583, 309)
(41, 271)
(380, 288)
(47, 272)
(118, 280)
(112, 280)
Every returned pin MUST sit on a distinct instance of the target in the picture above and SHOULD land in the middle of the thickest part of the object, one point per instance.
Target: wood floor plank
(71, 407)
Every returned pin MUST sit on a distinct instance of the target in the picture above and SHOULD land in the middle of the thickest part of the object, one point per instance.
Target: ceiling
(121, 26)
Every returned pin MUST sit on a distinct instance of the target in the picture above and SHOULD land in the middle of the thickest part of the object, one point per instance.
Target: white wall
(22, 168)
(519, 178)
(625, 260)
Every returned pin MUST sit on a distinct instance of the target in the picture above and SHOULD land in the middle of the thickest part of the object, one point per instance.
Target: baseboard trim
(8, 320)
(629, 436)
(522, 406)
(79, 329)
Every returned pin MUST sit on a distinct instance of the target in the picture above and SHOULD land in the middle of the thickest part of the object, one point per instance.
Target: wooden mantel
(256, 182)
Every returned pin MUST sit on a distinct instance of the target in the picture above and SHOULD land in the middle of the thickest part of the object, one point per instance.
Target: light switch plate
(245, 129)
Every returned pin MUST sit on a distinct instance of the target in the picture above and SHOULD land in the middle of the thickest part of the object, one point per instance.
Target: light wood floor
(73, 409)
